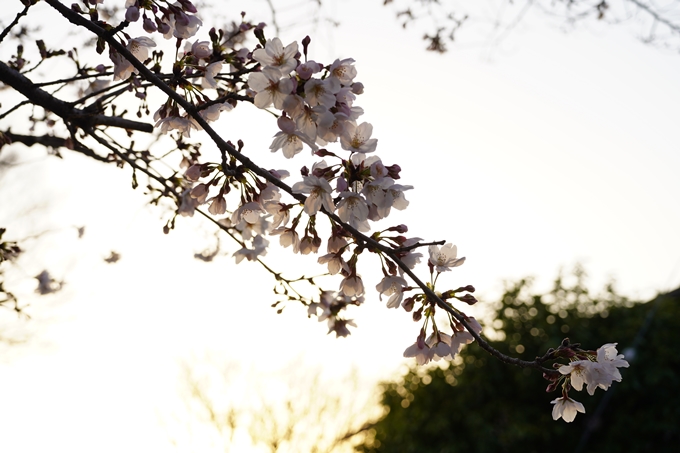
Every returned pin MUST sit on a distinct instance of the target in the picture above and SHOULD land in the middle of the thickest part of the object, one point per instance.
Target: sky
(546, 149)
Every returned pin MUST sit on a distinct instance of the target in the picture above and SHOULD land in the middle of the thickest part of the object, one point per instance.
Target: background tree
(476, 404)
(292, 408)
(655, 23)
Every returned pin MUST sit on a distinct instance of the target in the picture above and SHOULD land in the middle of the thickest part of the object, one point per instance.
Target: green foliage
(478, 404)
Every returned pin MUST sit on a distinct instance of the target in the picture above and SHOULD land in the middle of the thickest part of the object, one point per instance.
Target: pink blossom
(270, 88)
(139, 47)
(358, 138)
(276, 57)
(319, 194)
(392, 286)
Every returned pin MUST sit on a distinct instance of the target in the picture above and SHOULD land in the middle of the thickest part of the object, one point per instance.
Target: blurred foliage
(476, 403)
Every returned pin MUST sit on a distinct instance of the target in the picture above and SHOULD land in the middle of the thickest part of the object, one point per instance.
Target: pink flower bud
(163, 27)
(342, 184)
(286, 125)
(393, 171)
(149, 25)
(193, 173)
(188, 6)
(132, 14)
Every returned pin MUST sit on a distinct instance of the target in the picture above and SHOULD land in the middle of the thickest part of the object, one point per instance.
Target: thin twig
(14, 22)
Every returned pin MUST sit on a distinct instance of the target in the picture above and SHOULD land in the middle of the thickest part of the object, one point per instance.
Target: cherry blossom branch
(226, 147)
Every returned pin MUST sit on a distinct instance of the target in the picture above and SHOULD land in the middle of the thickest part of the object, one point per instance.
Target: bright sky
(547, 149)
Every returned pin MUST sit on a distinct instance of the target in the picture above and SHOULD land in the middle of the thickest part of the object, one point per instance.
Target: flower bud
(341, 184)
(305, 44)
(132, 14)
(163, 27)
(193, 172)
(468, 299)
(393, 171)
(399, 228)
(149, 25)
(358, 88)
(188, 6)
(408, 304)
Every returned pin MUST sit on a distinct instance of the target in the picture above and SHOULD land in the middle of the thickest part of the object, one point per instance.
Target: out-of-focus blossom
(251, 254)
(139, 47)
(209, 76)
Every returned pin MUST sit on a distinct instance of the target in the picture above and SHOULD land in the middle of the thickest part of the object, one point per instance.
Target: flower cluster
(598, 369)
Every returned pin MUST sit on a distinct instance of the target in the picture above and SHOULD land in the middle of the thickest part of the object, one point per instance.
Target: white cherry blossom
(358, 138)
(270, 88)
(353, 209)
(319, 194)
(278, 210)
(335, 263)
(289, 140)
(321, 92)
(275, 56)
(392, 286)
(287, 237)
(566, 408)
(213, 112)
(343, 70)
(421, 351)
(250, 212)
(329, 127)
(444, 258)
(139, 48)
(352, 285)
(211, 71)
(259, 249)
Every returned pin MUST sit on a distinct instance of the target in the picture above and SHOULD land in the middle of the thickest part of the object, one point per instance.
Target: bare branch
(65, 110)
(14, 22)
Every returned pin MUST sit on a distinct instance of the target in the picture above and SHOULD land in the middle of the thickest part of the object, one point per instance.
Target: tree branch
(65, 110)
(55, 142)
(14, 22)
(657, 17)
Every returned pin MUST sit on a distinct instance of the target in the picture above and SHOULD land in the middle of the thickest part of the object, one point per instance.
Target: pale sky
(545, 150)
